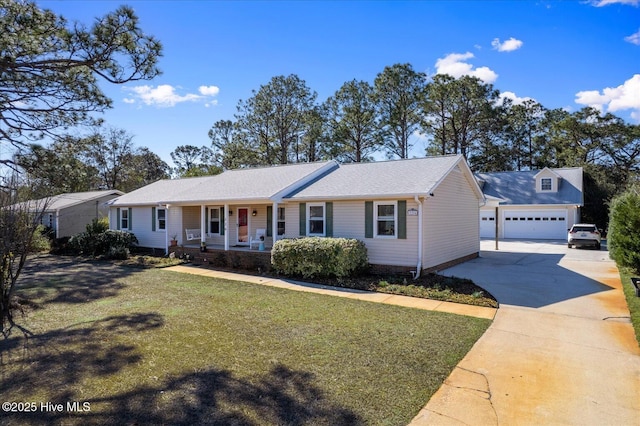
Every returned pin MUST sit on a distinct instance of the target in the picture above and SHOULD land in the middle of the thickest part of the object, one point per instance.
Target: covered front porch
(227, 227)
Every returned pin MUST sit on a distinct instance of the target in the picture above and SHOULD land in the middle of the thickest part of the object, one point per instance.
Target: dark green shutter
(221, 220)
(328, 216)
(368, 219)
(130, 219)
(269, 221)
(303, 219)
(153, 219)
(118, 218)
(402, 219)
(206, 220)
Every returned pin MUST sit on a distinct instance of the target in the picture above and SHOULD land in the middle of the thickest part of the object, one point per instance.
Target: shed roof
(519, 187)
(70, 199)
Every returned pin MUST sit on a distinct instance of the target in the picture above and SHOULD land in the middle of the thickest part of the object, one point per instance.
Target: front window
(545, 184)
(214, 221)
(385, 219)
(316, 219)
(124, 219)
(281, 221)
(161, 219)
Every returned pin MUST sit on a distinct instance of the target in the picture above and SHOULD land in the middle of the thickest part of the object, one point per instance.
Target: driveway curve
(561, 349)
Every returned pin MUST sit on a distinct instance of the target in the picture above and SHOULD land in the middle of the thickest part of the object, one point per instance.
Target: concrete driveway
(561, 349)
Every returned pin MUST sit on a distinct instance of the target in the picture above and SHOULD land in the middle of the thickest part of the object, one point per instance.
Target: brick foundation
(251, 261)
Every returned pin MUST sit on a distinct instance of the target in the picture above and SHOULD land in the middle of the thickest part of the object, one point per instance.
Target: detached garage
(531, 204)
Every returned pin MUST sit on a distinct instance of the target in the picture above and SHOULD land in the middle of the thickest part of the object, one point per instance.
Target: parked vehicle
(584, 234)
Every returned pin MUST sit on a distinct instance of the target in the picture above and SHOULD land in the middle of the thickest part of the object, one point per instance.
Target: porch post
(226, 227)
(274, 222)
(166, 230)
(203, 225)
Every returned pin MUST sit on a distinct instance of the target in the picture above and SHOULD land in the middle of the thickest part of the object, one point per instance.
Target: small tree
(624, 222)
(18, 224)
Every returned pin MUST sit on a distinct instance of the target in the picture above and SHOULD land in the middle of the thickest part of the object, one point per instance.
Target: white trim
(324, 219)
(376, 204)
(157, 219)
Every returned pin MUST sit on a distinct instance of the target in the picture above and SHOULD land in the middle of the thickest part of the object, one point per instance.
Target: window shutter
(368, 219)
(206, 220)
(303, 219)
(402, 219)
(328, 217)
(153, 219)
(269, 221)
(130, 219)
(118, 218)
(221, 220)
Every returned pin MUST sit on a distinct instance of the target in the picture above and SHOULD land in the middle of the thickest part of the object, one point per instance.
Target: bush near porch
(319, 257)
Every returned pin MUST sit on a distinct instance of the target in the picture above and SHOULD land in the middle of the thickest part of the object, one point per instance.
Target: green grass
(149, 346)
(632, 300)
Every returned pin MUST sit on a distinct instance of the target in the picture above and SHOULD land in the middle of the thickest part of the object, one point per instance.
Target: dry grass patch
(155, 347)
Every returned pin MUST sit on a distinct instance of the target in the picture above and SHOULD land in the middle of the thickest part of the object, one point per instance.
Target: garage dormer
(547, 180)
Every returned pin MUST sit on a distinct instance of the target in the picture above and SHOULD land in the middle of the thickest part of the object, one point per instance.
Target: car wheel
(598, 246)
(569, 245)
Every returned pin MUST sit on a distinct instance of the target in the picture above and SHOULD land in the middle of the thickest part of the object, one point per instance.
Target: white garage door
(544, 225)
(487, 224)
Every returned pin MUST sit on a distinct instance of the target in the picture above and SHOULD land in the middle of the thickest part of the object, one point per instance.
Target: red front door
(243, 225)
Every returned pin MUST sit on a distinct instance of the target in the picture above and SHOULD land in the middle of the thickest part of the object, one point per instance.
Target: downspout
(420, 238)
(58, 223)
(166, 231)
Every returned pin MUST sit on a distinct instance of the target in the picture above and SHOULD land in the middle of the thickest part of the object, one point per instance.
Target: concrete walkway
(390, 299)
(561, 349)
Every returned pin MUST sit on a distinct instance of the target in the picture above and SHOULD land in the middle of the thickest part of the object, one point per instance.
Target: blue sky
(563, 54)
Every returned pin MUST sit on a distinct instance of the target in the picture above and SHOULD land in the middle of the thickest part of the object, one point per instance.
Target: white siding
(141, 220)
(451, 225)
(348, 222)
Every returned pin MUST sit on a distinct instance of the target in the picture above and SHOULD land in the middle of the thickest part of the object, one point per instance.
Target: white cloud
(516, 100)
(166, 95)
(623, 97)
(507, 46)
(209, 90)
(456, 66)
(600, 3)
(634, 38)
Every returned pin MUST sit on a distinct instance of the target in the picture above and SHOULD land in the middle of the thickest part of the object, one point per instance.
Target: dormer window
(545, 184)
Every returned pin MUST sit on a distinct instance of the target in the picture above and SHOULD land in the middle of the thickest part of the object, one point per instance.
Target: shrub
(624, 222)
(319, 257)
(40, 240)
(99, 240)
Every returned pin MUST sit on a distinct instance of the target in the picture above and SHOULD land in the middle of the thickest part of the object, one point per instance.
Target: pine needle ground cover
(119, 345)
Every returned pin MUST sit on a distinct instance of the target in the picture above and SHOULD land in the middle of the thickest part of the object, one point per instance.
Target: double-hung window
(161, 219)
(124, 219)
(214, 221)
(316, 221)
(281, 221)
(385, 219)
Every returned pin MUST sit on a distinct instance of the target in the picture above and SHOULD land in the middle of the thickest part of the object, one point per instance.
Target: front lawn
(149, 346)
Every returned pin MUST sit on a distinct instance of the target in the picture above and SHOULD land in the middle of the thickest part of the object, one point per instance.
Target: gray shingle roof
(261, 183)
(519, 188)
(417, 176)
(62, 201)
